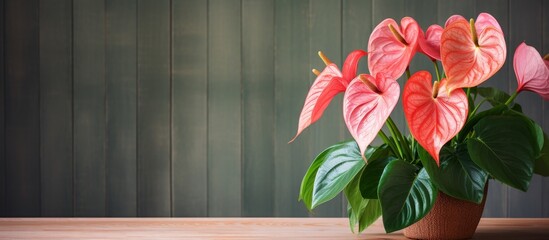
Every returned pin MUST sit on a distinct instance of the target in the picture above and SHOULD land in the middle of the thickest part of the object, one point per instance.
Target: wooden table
(236, 228)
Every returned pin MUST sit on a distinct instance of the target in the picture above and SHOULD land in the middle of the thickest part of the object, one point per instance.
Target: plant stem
(436, 69)
(401, 142)
(511, 99)
(477, 107)
(388, 142)
(408, 72)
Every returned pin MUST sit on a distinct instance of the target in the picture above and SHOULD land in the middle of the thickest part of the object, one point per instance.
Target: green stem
(408, 72)
(477, 107)
(511, 99)
(388, 141)
(401, 142)
(436, 69)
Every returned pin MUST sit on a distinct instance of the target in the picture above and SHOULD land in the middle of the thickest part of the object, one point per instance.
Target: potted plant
(424, 181)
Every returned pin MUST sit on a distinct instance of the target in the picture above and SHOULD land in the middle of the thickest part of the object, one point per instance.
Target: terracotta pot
(450, 218)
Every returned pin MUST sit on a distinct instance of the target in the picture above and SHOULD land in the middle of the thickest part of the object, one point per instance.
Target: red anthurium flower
(391, 47)
(367, 103)
(433, 116)
(531, 70)
(471, 53)
(328, 83)
(429, 43)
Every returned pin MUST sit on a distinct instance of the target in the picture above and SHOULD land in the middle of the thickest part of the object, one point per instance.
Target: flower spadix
(531, 70)
(392, 46)
(471, 52)
(328, 83)
(367, 104)
(433, 116)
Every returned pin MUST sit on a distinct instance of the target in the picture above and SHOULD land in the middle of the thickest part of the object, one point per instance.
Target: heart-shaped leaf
(429, 43)
(406, 196)
(340, 165)
(325, 87)
(391, 50)
(362, 211)
(505, 146)
(372, 172)
(457, 176)
(531, 71)
(471, 54)
(433, 116)
(542, 162)
(367, 103)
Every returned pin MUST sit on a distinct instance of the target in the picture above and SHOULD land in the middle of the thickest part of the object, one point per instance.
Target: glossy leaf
(542, 162)
(363, 211)
(531, 71)
(458, 176)
(506, 147)
(325, 87)
(468, 63)
(429, 42)
(366, 110)
(372, 172)
(342, 162)
(406, 196)
(493, 95)
(433, 120)
(387, 53)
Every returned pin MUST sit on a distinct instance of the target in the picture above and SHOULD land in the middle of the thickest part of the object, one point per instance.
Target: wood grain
(237, 228)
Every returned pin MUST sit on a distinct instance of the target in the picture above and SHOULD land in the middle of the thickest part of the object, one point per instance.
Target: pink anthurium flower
(367, 104)
(471, 52)
(391, 47)
(433, 116)
(326, 86)
(429, 43)
(531, 70)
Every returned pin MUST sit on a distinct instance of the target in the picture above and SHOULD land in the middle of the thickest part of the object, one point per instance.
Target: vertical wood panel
(465, 8)
(224, 108)
(89, 107)
(121, 107)
(190, 112)
(325, 35)
(423, 12)
(22, 108)
(2, 117)
(56, 108)
(154, 178)
(356, 30)
(258, 107)
(292, 76)
(497, 200)
(545, 50)
(526, 29)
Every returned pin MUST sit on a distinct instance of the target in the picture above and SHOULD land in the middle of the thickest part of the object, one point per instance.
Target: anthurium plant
(453, 147)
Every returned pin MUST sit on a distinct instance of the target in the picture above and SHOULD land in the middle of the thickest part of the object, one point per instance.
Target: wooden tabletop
(236, 228)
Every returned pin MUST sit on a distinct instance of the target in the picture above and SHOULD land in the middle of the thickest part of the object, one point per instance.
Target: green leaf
(406, 196)
(497, 110)
(541, 166)
(340, 164)
(457, 176)
(373, 170)
(361, 211)
(506, 147)
(492, 95)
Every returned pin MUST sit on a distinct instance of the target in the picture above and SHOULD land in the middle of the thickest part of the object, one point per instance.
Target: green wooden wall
(185, 108)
